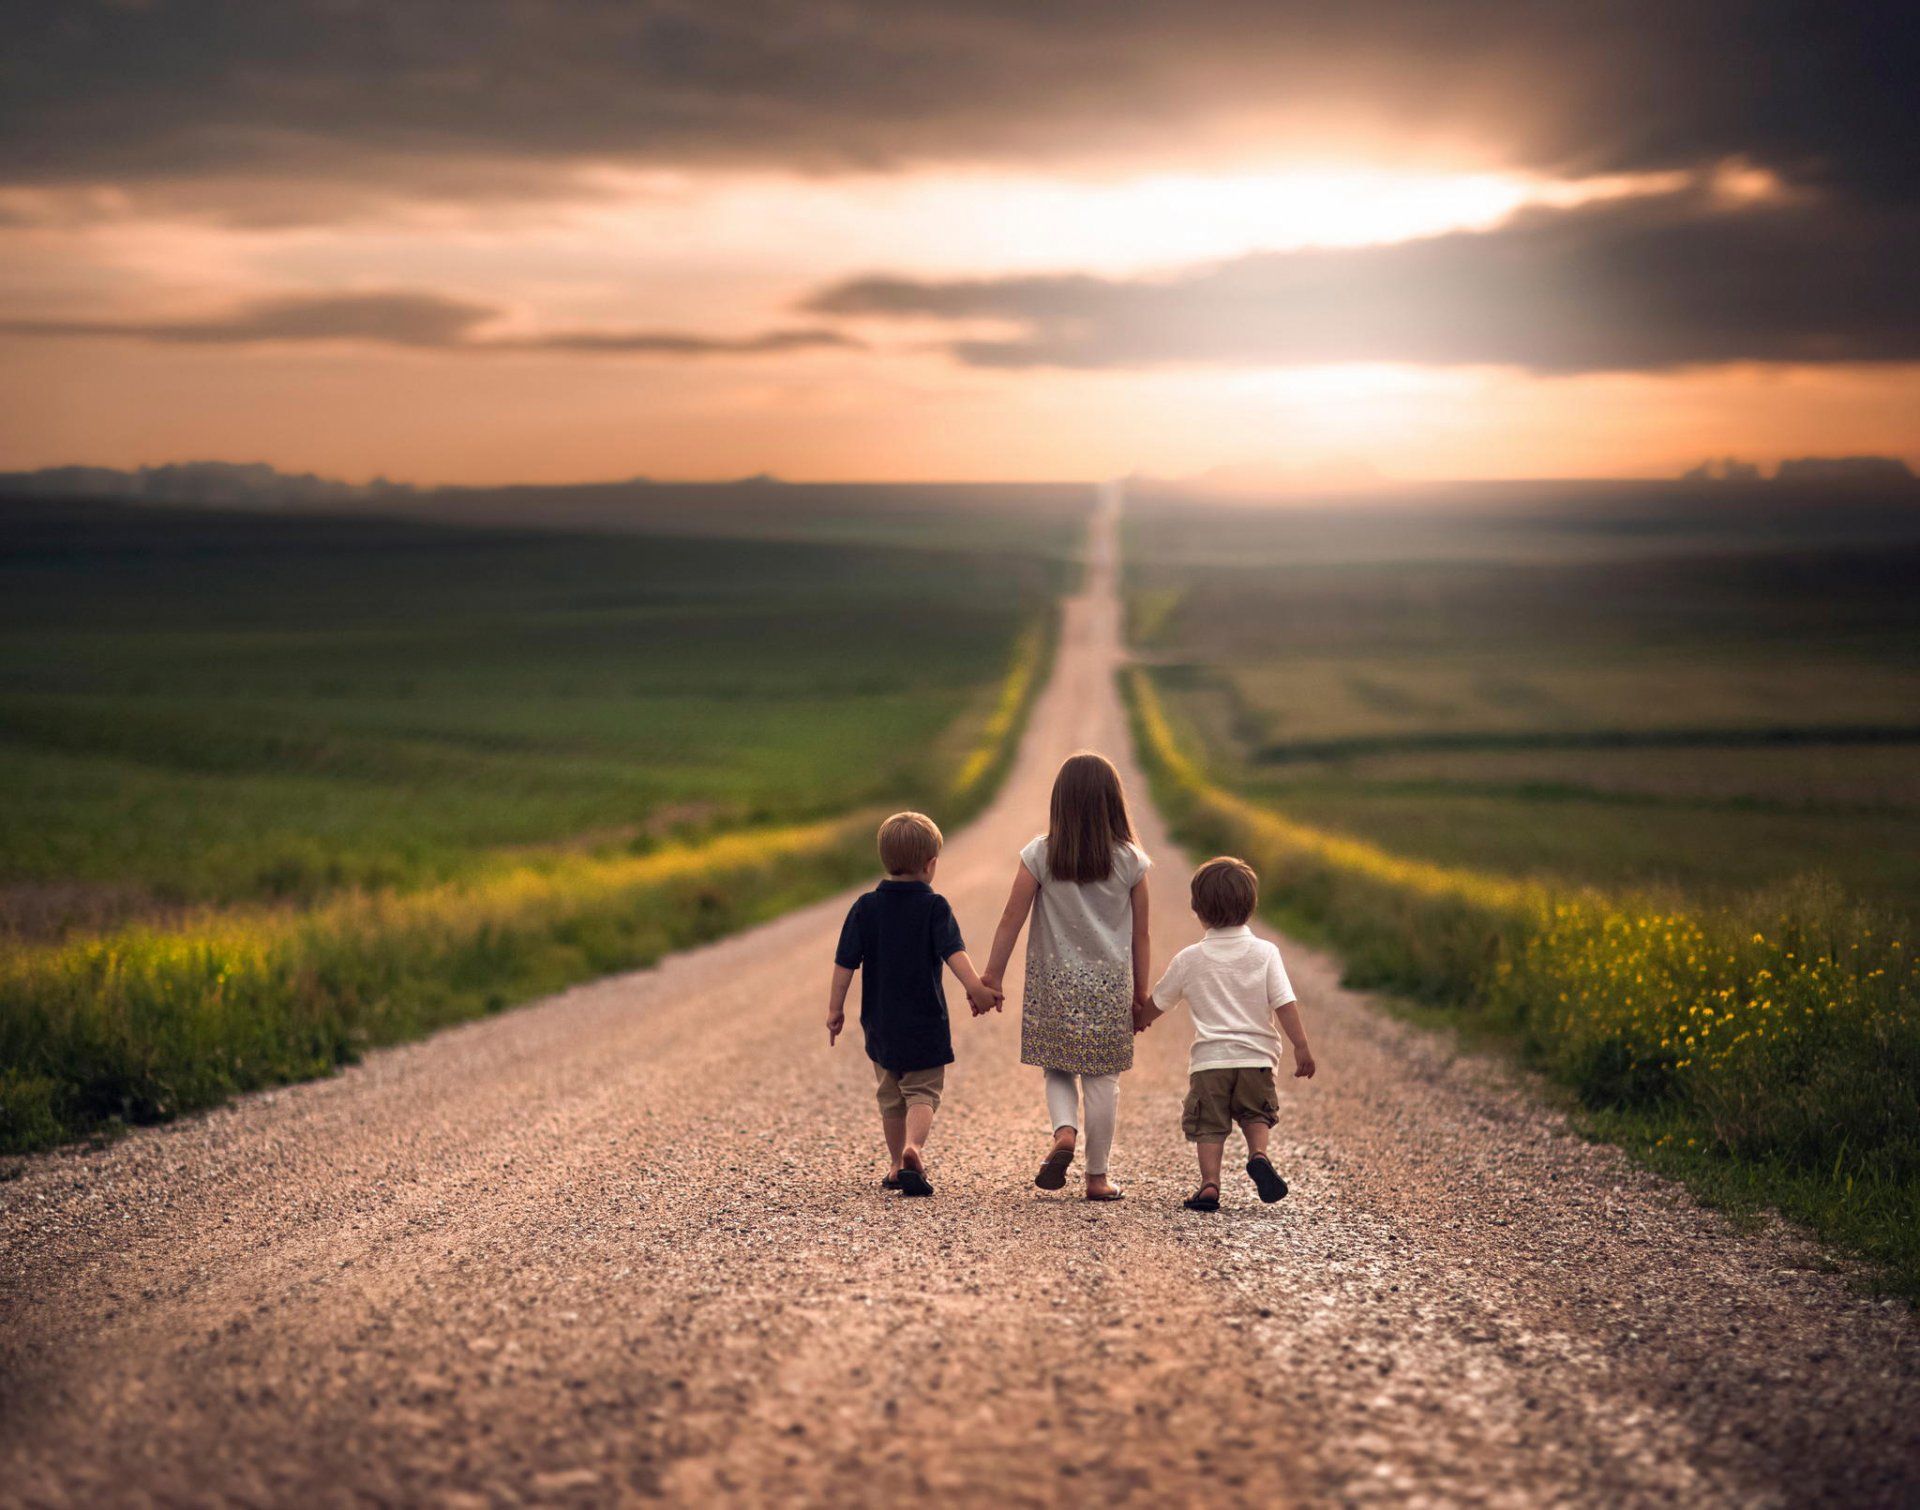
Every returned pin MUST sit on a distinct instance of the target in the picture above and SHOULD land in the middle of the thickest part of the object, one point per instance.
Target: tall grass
(994, 746)
(145, 1023)
(1768, 1051)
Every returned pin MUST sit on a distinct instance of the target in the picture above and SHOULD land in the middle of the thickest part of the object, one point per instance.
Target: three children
(1084, 885)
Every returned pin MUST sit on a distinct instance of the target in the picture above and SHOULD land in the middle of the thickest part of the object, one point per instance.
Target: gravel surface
(627, 1244)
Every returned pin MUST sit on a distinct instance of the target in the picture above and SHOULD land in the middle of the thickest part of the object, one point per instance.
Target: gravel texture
(628, 1244)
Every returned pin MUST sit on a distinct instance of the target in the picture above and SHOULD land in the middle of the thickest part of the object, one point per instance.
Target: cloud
(672, 344)
(414, 320)
(398, 90)
(390, 319)
(1646, 283)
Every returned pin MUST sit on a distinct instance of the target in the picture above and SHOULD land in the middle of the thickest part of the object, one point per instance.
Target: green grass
(142, 1024)
(1587, 801)
(200, 707)
(275, 790)
(1652, 687)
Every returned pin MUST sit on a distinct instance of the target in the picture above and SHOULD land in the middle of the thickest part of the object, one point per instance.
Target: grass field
(1645, 812)
(273, 789)
(1640, 687)
(200, 707)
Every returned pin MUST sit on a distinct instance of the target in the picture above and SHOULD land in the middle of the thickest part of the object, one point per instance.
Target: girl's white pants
(1101, 1093)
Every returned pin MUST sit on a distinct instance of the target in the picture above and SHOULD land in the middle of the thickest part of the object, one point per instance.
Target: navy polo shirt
(898, 936)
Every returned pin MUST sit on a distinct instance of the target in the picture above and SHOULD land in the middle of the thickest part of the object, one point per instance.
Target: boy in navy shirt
(897, 936)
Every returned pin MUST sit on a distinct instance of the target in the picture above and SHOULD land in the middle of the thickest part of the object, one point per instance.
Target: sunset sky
(491, 240)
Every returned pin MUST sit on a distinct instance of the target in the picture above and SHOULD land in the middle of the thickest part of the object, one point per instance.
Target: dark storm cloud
(1642, 283)
(424, 321)
(393, 91)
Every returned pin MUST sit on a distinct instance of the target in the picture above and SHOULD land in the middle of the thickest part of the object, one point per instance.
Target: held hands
(984, 998)
(1145, 1013)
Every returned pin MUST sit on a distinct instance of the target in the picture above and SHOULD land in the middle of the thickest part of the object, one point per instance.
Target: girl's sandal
(1053, 1173)
(1108, 1195)
(1201, 1201)
(890, 1182)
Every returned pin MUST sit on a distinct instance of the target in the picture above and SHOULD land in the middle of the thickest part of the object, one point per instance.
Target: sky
(482, 241)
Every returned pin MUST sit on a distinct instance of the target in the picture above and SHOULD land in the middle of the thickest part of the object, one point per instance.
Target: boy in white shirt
(1235, 986)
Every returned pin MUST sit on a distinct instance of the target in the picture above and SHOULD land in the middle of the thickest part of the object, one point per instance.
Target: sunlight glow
(987, 224)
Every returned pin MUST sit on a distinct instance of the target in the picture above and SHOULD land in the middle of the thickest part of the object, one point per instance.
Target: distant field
(1705, 689)
(219, 707)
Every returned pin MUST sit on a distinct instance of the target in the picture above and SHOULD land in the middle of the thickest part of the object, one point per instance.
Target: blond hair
(908, 843)
(1225, 892)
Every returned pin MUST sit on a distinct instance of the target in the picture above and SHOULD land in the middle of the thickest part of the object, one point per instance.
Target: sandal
(1272, 1187)
(913, 1180)
(1111, 1195)
(890, 1182)
(1201, 1201)
(1053, 1173)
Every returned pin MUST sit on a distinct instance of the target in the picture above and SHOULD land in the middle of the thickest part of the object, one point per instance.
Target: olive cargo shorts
(896, 1092)
(1217, 1099)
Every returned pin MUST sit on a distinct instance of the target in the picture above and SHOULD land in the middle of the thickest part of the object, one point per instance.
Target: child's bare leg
(1210, 1154)
(1265, 1177)
(896, 1130)
(918, 1124)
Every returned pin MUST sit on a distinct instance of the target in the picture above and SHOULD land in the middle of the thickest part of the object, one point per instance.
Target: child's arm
(837, 1002)
(1288, 1012)
(1147, 1009)
(982, 997)
(1142, 949)
(1012, 920)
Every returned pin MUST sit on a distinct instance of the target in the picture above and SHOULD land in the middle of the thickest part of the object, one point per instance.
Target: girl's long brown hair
(1087, 818)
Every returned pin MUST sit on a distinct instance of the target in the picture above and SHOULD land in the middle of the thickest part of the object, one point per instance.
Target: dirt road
(628, 1244)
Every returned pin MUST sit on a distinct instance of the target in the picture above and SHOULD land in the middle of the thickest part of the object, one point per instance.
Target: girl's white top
(1084, 922)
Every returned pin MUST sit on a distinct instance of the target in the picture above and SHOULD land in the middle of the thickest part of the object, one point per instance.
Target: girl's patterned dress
(1077, 1014)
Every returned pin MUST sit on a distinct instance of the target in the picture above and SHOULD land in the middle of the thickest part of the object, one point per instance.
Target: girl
(1085, 883)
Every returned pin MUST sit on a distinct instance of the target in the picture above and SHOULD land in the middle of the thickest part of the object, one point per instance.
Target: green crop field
(215, 707)
(1623, 778)
(1645, 686)
(277, 787)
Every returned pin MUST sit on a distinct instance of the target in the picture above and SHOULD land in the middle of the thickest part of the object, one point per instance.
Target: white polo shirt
(1231, 981)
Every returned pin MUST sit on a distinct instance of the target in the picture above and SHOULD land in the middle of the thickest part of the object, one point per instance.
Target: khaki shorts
(913, 1088)
(1216, 1099)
